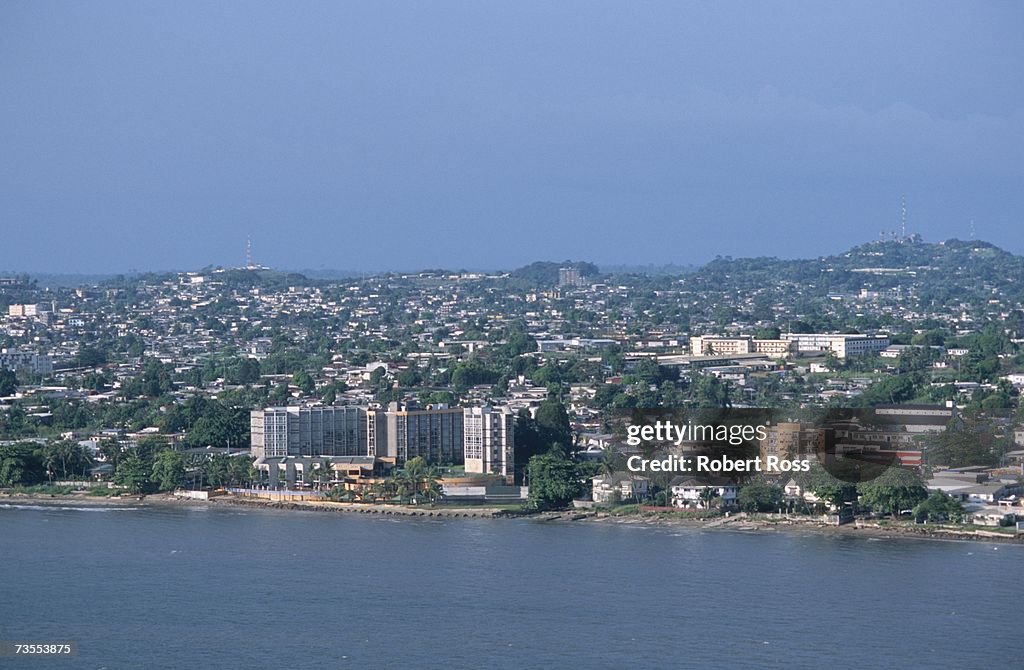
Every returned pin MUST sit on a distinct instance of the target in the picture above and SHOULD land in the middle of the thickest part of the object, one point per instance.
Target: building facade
(404, 432)
(489, 440)
(29, 361)
(712, 345)
(841, 345)
(308, 431)
(396, 433)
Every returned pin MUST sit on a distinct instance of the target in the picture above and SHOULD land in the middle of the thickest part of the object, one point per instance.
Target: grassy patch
(44, 489)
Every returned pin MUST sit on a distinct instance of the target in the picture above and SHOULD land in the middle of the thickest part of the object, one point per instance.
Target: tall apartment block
(398, 432)
(489, 440)
(404, 432)
(308, 431)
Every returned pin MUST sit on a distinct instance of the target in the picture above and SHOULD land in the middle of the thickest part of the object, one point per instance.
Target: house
(792, 491)
(619, 486)
(691, 492)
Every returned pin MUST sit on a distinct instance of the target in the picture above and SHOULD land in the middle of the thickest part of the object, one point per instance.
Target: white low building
(691, 492)
(619, 487)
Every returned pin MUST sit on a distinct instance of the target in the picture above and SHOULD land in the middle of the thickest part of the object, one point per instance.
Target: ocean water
(240, 587)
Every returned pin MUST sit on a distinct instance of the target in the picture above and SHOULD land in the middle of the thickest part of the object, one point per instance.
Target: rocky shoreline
(735, 523)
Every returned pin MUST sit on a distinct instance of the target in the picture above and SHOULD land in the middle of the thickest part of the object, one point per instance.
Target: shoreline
(740, 523)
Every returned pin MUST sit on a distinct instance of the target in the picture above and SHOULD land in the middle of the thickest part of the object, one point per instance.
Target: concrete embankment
(361, 508)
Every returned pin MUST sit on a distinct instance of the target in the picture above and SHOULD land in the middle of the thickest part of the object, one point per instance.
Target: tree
(330, 395)
(710, 391)
(20, 465)
(647, 371)
(305, 383)
(248, 371)
(91, 357)
(219, 426)
(64, 459)
(826, 486)
(972, 444)
(520, 343)
(894, 490)
(324, 474)
(112, 451)
(419, 479)
(528, 440)
(280, 394)
(940, 506)
(133, 473)
(241, 470)
(707, 495)
(553, 424)
(8, 382)
(760, 497)
(218, 470)
(168, 470)
(409, 377)
(554, 480)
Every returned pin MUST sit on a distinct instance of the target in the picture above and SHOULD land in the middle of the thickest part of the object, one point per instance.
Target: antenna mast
(248, 252)
(903, 218)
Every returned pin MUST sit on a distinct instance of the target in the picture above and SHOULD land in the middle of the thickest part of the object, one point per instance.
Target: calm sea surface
(213, 587)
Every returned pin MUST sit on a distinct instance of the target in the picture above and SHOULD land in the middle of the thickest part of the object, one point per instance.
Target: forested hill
(951, 270)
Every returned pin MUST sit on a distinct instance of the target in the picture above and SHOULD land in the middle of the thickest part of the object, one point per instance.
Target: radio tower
(248, 253)
(903, 218)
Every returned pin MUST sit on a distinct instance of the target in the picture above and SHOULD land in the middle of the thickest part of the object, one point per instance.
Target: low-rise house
(691, 492)
(618, 487)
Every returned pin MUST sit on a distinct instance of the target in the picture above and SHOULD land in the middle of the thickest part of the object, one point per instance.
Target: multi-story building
(403, 432)
(569, 277)
(842, 345)
(395, 433)
(712, 345)
(24, 310)
(30, 361)
(717, 345)
(773, 348)
(489, 440)
(308, 431)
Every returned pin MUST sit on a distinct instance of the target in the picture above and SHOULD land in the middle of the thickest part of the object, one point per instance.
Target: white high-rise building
(489, 440)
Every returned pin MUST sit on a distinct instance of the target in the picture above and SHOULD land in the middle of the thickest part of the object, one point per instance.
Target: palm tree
(609, 460)
(50, 458)
(415, 476)
(707, 495)
(325, 474)
(432, 486)
(390, 488)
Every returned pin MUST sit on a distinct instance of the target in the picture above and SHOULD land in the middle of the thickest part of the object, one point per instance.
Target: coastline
(741, 523)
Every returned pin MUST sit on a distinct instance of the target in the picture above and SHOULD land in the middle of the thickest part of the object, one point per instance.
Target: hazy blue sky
(404, 135)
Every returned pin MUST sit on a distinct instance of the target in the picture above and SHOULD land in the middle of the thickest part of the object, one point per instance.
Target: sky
(385, 135)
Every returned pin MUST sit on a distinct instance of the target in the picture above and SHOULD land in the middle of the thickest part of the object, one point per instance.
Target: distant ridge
(875, 254)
